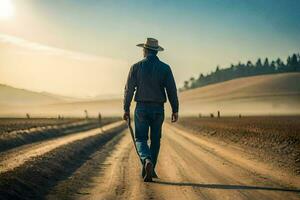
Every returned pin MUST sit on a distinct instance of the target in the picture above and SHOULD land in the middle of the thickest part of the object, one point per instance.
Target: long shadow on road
(227, 187)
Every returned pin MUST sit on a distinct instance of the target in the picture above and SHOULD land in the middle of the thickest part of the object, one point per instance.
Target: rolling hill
(264, 94)
(19, 97)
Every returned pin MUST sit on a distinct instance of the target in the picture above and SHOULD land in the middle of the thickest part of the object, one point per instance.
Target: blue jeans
(145, 117)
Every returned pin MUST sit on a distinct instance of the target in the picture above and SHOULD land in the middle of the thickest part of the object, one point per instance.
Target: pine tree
(266, 66)
(186, 85)
(258, 67)
(294, 62)
(272, 67)
(279, 65)
(192, 82)
(266, 63)
(258, 63)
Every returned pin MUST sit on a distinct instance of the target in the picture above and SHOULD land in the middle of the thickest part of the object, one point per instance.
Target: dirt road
(189, 168)
(101, 163)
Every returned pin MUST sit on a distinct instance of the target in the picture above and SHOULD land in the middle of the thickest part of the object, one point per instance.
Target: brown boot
(148, 169)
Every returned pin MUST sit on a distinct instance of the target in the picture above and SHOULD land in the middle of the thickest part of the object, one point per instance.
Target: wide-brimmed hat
(151, 43)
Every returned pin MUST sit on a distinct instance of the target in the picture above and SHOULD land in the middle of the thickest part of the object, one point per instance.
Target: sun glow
(6, 9)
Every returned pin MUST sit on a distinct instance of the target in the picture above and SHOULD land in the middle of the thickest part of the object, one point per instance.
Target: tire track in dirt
(122, 178)
(83, 176)
(205, 174)
(238, 158)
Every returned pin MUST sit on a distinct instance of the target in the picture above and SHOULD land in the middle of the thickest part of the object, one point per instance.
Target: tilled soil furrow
(34, 178)
(22, 137)
(18, 156)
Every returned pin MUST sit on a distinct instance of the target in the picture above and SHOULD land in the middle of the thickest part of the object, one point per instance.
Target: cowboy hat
(152, 44)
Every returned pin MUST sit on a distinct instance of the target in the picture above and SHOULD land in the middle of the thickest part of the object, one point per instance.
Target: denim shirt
(151, 79)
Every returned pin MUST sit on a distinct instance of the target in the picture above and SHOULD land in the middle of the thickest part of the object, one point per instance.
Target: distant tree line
(260, 67)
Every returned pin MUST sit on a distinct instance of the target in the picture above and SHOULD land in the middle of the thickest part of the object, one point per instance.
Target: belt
(150, 103)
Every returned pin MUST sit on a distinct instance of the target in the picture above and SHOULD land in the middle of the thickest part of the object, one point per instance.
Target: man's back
(150, 77)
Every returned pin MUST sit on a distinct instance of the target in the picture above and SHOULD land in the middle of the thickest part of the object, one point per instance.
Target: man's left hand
(126, 116)
(174, 117)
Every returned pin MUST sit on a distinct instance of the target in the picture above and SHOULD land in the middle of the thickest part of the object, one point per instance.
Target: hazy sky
(85, 47)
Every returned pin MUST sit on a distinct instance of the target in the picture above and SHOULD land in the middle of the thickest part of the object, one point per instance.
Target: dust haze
(277, 94)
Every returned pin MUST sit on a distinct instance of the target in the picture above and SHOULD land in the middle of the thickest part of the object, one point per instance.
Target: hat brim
(159, 48)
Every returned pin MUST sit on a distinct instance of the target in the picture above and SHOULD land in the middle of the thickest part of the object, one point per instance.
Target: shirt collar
(150, 56)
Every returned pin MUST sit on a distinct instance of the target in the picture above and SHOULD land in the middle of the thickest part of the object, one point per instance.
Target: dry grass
(13, 124)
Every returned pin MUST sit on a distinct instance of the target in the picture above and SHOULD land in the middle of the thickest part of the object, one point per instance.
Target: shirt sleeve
(129, 89)
(172, 91)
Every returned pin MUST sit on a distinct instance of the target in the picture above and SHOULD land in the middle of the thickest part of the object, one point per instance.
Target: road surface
(189, 167)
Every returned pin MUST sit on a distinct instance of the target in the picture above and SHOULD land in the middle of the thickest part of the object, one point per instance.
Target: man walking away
(150, 79)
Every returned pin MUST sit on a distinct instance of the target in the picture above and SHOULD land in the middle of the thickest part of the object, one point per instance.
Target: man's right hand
(174, 117)
(126, 116)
